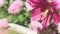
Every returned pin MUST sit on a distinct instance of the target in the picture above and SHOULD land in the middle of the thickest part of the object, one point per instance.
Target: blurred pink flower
(15, 7)
(3, 22)
(34, 25)
(1, 3)
(39, 6)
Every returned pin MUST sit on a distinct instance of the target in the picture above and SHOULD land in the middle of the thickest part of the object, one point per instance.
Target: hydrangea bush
(44, 15)
(14, 12)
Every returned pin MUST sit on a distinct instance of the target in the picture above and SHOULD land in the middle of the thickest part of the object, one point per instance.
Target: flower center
(49, 0)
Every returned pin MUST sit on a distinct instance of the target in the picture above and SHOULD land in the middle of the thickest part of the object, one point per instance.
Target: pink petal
(46, 22)
(33, 2)
(56, 18)
(36, 17)
(38, 3)
(56, 3)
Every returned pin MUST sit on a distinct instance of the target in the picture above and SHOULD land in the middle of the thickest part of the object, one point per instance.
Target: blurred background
(22, 18)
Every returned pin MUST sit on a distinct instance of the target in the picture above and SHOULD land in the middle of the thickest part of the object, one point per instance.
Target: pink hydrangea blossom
(34, 25)
(15, 7)
(1, 3)
(3, 22)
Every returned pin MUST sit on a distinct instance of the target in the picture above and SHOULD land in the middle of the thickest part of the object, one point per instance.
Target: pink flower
(39, 6)
(34, 25)
(1, 3)
(15, 7)
(3, 22)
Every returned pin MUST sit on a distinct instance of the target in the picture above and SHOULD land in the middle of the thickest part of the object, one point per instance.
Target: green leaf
(15, 21)
(21, 17)
(27, 14)
(10, 18)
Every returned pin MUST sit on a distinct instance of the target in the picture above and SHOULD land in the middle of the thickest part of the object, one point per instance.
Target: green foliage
(21, 19)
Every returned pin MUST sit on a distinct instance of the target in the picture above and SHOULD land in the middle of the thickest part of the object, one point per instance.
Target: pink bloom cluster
(35, 24)
(1, 3)
(3, 23)
(39, 12)
(15, 7)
